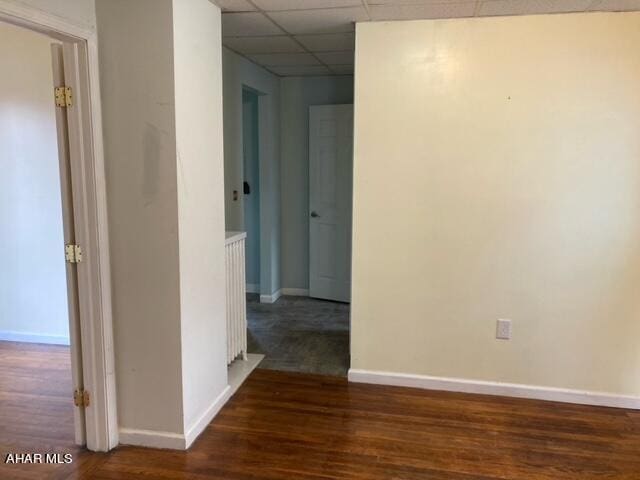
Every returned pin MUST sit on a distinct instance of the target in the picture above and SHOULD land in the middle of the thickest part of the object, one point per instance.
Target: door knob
(314, 215)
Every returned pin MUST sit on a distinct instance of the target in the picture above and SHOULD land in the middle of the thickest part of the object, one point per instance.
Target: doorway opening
(53, 217)
(251, 187)
(38, 291)
(288, 185)
(308, 331)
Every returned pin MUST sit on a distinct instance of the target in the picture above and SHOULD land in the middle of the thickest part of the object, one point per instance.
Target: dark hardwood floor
(299, 426)
(36, 406)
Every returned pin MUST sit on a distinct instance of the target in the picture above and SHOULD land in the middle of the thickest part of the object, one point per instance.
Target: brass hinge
(81, 398)
(64, 96)
(73, 253)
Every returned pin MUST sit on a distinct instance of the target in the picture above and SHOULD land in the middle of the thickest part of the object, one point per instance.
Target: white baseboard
(239, 370)
(33, 338)
(152, 439)
(296, 292)
(495, 388)
(271, 298)
(201, 423)
(253, 288)
(170, 440)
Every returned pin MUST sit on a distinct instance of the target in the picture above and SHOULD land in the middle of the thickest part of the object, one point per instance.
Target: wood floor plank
(283, 426)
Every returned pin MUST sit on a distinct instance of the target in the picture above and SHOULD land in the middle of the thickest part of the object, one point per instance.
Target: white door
(67, 148)
(330, 199)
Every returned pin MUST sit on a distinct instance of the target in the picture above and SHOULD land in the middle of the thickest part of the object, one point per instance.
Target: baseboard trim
(253, 288)
(239, 371)
(582, 397)
(33, 338)
(171, 440)
(296, 292)
(201, 423)
(271, 298)
(152, 439)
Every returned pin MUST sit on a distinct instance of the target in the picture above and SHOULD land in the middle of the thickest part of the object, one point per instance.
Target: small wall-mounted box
(503, 329)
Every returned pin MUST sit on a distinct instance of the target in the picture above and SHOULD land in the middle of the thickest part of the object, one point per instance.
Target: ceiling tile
(616, 5)
(560, 6)
(284, 59)
(300, 70)
(336, 20)
(528, 7)
(246, 24)
(512, 7)
(426, 10)
(336, 58)
(272, 44)
(235, 5)
(341, 69)
(271, 5)
(405, 2)
(328, 42)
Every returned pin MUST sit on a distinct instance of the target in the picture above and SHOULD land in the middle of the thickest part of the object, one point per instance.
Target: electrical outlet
(503, 329)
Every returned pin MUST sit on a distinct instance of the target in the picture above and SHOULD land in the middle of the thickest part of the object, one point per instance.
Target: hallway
(300, 334)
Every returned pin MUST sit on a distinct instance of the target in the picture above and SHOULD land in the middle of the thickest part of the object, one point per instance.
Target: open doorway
(251, 187)
(38, 296)
(274, 165)
(308, 331)
(55, 298)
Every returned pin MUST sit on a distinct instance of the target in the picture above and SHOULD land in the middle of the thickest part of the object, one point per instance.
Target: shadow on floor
(300, 334)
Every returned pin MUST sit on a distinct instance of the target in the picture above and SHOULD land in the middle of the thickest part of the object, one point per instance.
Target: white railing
(236, 296)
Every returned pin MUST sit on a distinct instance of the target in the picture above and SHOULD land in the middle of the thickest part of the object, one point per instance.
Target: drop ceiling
(316, 37)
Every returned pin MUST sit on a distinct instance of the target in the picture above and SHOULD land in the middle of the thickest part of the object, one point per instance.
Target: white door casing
(330, 201)
(88, 192)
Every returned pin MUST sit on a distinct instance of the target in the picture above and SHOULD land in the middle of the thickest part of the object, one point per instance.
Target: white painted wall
(164, 159)
(239, 72)
(199, 144)
(136, 68)
(297, 95)
(33, 293)
(497, 176)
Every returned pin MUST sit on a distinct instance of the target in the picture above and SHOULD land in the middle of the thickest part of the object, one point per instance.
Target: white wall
(239, 72)
(136, 68)
(161, 60)
(497, 176)
(297, 95)
(199, 144)
(33, 294)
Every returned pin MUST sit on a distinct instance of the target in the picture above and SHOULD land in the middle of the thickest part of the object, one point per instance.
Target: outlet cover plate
(503, 329)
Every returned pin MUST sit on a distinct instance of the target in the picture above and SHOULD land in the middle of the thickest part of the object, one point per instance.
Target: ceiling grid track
(365, 4)
(294, 39)
(291, 36)
(476, 9)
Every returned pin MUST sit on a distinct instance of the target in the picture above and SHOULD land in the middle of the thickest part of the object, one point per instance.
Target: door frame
(269, 175)
(259, 148)
(91, 226)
